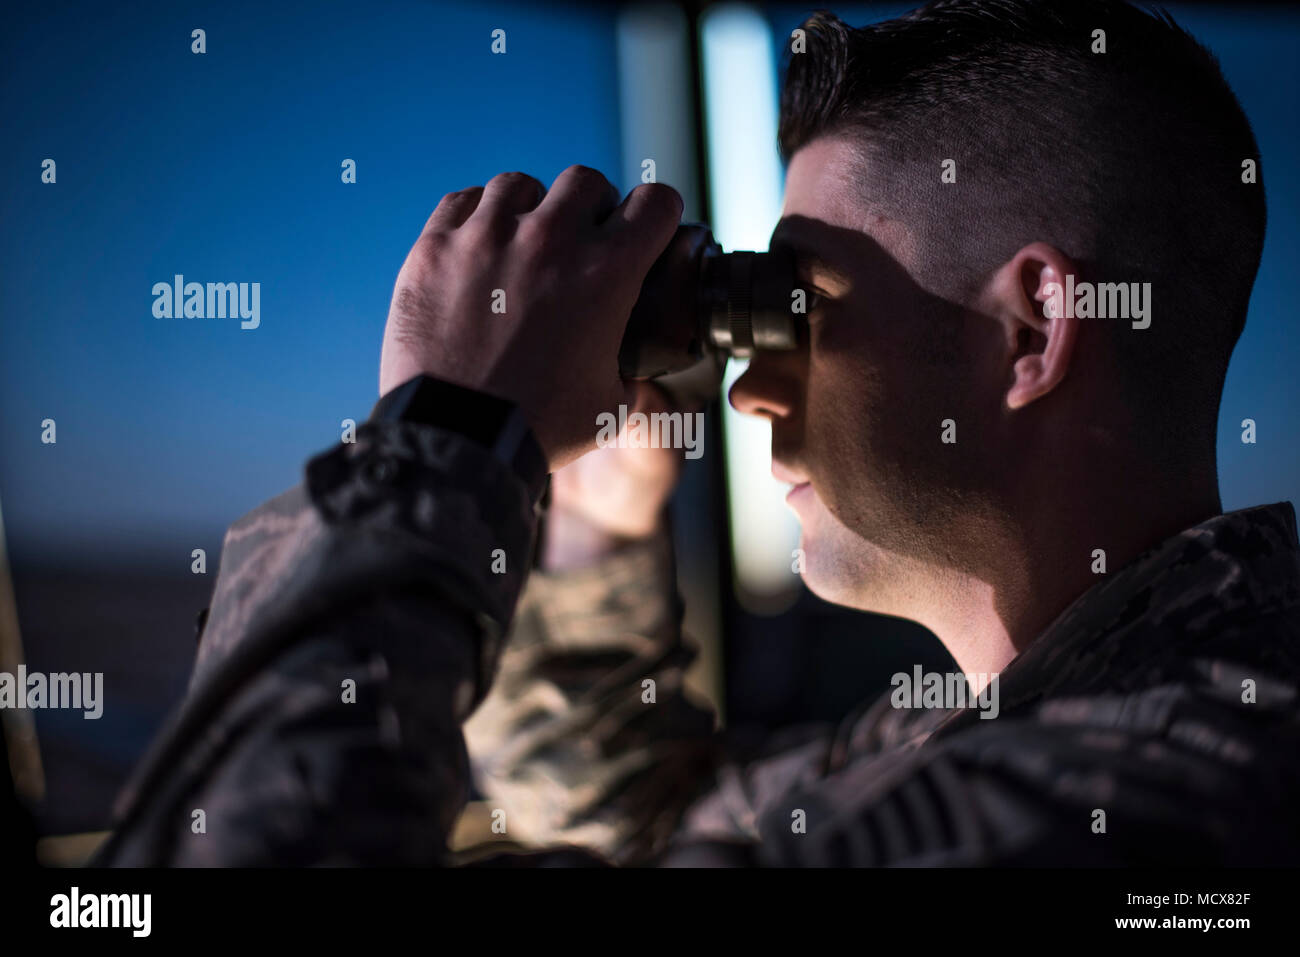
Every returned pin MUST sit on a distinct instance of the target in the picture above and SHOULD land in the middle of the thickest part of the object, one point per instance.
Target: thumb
(642, 395)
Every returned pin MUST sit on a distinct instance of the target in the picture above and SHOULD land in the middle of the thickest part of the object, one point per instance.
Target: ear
(1027, 295)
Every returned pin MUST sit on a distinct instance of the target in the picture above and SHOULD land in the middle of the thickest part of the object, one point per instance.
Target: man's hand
(609, 496)
(525, 294)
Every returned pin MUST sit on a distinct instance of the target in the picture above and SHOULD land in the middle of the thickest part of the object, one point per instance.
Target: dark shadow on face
(886, 372)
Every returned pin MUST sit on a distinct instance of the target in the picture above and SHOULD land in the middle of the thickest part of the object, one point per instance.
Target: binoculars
(699, 305)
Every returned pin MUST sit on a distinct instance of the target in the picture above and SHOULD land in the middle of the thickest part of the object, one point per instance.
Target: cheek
(843, 396)
(849, 385)
(874, 423)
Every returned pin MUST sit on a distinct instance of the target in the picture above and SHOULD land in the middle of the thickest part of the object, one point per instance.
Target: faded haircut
(1128, 161)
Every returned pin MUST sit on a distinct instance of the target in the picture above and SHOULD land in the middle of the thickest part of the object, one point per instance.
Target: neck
(1028, 568)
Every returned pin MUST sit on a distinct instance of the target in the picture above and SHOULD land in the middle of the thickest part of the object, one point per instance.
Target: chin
(824, 586)
(838, 563)
(829, 578)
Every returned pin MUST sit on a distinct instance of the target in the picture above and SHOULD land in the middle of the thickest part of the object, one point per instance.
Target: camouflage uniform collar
(1182, 593)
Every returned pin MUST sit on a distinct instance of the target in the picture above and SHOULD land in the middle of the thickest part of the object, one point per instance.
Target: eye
(813, 299)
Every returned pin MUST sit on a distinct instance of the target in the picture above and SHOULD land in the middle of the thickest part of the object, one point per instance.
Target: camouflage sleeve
(356, 622)
(589, 736)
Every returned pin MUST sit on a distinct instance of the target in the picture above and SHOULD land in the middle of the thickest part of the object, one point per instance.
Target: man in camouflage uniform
(1132, 702)
(1147, 711)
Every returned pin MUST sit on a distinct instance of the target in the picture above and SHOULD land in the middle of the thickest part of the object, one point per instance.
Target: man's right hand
(525, 293)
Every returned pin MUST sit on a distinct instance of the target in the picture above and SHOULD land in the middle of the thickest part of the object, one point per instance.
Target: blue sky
(226, 167)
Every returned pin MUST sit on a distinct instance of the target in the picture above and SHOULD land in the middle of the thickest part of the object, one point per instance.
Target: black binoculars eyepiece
(699, 305)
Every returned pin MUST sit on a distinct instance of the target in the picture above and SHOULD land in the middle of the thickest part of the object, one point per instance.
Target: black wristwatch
(494, 423)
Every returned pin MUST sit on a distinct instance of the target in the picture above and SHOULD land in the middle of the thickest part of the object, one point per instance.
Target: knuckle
(461, 194)
(448, 206)
(656, 191)
(586, 177)
(659, 196)
(511, 180)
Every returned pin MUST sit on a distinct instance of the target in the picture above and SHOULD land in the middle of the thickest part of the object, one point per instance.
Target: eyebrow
(809, 259)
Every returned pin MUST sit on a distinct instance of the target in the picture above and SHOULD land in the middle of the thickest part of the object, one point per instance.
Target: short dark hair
(1145, 143)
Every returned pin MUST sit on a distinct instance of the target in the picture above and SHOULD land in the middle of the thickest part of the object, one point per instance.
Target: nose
(767, 388)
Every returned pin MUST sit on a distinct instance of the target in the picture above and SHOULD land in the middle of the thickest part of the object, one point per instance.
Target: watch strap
(495, 423)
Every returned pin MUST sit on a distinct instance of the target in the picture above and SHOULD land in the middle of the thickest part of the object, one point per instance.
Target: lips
(785, 473)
